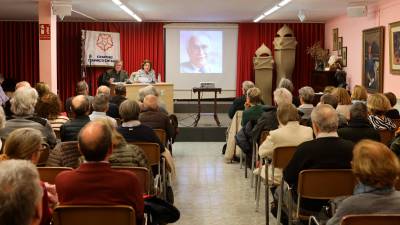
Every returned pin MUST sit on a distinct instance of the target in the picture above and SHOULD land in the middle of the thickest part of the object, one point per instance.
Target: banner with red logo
(100, 48)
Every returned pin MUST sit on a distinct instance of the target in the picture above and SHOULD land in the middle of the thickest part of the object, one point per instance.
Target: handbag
(160, 211)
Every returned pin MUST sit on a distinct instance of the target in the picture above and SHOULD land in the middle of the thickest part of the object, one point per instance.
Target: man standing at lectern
(114, 75)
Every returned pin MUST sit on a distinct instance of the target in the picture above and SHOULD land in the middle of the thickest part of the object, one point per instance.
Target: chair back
(151, 151)
(374, 219)
(162, 135)
(48, 174)
(142, 174)
(325, 183)
(282, 156)
(94, 215)
(397, 122)
(386, 136)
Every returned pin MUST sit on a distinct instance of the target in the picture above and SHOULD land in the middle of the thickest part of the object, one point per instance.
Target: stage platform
(207, 129)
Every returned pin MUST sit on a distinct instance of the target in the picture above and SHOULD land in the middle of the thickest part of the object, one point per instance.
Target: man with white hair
(327, 151)
(238, 103)
(23, 107)
(306, 94)
(21, 193)
(112, 108)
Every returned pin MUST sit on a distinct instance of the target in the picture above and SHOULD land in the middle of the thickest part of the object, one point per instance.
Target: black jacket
(69, 131)
(238, 104)
(358, 129)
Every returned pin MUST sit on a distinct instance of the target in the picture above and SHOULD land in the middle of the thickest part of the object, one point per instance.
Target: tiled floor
(209, 191)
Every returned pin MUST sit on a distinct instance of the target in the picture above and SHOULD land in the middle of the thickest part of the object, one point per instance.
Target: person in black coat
(327, 151)
(238, 103)
(359, 127)
(80, 108)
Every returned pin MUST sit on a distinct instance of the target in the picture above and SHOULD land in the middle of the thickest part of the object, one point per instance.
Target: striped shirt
(58, 122)
(381, 123)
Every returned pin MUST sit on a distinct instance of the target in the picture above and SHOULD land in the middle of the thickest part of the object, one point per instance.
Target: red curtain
(19, 50)
(252, 35)
(139, 41)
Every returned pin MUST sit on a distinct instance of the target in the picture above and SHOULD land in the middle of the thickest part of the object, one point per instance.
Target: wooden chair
(254, 157)
(280, 159)
(397, 122)
(323, 184)
(94, 215)
(386, 136)
(162, 135)
(48, 174)
(142, 174)
(153, 155)
(377, 219)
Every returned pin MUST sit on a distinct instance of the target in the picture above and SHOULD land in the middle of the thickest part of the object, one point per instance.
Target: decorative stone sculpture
(285, 53)
(263, 66)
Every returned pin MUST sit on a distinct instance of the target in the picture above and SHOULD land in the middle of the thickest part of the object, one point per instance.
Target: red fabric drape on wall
(19, 50)
(252, 35)
(139, 41)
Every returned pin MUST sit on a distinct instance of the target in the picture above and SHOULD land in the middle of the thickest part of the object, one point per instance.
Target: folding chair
(162, 135)
(374, 219)
(386, 136)
(336, 182)
(94, 215)
(48, 174)
(142, 174)
(153, 155)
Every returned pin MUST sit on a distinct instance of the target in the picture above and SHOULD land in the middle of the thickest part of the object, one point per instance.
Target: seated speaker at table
(145, 75)
(117, 74)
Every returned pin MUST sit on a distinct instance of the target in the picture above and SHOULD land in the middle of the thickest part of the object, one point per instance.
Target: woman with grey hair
(23, 106)
(286, 83)
(306, 94)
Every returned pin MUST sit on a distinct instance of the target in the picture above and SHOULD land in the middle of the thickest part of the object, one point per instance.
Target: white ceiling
(185, 10)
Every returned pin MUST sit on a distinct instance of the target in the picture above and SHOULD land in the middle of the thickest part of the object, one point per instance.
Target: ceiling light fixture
(127, 10)
(271, 10)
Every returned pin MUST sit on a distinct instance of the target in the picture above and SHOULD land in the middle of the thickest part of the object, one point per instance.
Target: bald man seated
(95, 182)
(151, 116)
(80, 107)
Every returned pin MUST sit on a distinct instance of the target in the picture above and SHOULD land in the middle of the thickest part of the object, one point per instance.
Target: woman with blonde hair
(376, 169)
(359, 94)
(378, 105)
(27, 143)
(344, 102)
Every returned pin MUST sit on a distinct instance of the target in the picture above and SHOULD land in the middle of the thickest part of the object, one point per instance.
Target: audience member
(344, 102)
(358, 127)
(378, 105)
(392, 113)
(23, 107)
(238, 103)
(27, 144)
(82, 88)
(100, 106)
(80, 110)
(289, 133)
(150, 90)
(22, 84)
(123, 154)
(8, 86)
(286, 83)
(131, 129)
(327, 151)
(112, 108)
(359, 94)
(253, 107)
(306, 101)
(331, 100)
(395, 145)
(2, 123)
(21, 194)
(377, 170)
(42, 88)
(3, 97)
(120, 95)
(152, 117)
(49, 107)
(95, 182)
(329, 89)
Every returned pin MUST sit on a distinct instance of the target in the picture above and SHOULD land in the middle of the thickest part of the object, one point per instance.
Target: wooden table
(166, 91)
(199, 91)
